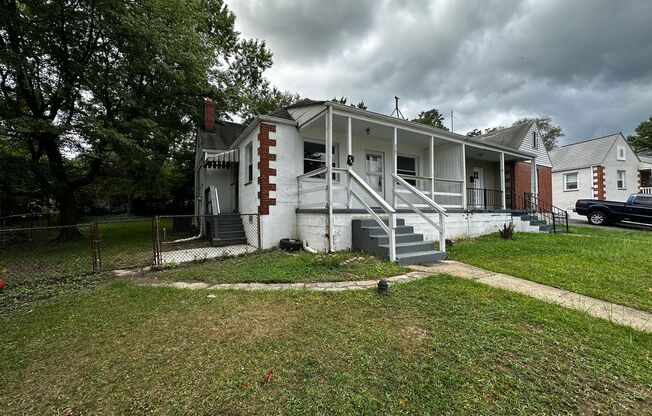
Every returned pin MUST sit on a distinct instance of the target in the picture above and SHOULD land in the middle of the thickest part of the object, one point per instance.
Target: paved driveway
(617, 226)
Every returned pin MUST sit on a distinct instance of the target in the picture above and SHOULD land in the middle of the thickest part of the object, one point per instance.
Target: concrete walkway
(317, 286)
(599, 308)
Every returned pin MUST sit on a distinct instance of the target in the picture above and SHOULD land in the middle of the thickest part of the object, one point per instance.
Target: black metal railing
(483, 199)
(554, 217)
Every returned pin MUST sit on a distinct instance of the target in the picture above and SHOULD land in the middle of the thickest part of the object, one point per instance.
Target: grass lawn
(613, 265)
(276, 266)
(439, 345)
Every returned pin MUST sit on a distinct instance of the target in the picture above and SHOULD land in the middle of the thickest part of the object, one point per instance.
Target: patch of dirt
(413, 335)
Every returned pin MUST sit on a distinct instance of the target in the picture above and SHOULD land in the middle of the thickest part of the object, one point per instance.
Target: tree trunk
(68, 216)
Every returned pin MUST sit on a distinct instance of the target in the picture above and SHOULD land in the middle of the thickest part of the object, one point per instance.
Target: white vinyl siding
(570, 181)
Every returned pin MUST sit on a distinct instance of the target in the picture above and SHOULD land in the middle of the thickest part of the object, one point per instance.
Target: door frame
(383, 175)
(478, 196)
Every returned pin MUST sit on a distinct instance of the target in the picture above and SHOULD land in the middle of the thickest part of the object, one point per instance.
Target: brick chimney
(209, 114)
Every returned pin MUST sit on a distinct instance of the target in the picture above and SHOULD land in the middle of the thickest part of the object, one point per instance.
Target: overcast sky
(588, 64)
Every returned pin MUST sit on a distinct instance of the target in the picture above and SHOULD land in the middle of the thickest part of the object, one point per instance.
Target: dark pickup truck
(638, 208)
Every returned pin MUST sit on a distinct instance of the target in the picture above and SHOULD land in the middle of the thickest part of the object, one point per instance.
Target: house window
(249, 162)
(314, 157)
(407, 165)
(570, 181)
(621, 152)
(620, 179)
(535, 140)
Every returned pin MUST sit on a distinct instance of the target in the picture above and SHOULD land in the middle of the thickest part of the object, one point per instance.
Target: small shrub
(507, 232)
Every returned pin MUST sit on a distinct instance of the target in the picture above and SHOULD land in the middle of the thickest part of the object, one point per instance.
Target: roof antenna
(397, 111)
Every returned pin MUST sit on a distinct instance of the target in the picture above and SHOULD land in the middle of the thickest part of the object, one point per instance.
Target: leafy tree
(492, 129)
(264, 100)
(474, 132)
(86, 84)
(432, 118)
(343, 100)
(641, 141)
(549, 132)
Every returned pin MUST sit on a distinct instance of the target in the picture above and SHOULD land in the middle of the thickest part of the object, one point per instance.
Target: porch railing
(447, 192)
(483, 199)
(351, 179)
(552, 216)
(400, 185)
(646, 190)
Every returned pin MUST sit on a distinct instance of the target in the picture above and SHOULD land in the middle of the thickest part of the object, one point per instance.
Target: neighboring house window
(406, 165)
(621, 152)
(249, 162)
(620, 179)
(570, 181)
(314, 157)
(535, 140)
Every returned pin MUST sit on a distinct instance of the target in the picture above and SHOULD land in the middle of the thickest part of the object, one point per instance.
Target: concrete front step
(374, 223)
(220, 242)
(400, 238)
(411, 247)
(420, 257)
(400, 229)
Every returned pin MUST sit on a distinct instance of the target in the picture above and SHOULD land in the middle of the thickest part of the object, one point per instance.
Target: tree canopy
(549, 132)
(641, 140)
(88, 86)
(343, 100)
(431, 117)
(474, 132)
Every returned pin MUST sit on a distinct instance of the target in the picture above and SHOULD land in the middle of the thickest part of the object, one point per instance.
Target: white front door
(478, 187)
(375, 172)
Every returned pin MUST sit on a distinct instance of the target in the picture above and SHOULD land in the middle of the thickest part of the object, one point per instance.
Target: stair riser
(226, 228)
(422, 259)
(403, 229)
(226, 235)
(384, 250)
(408, 238)
(374, 223)
(230, 242)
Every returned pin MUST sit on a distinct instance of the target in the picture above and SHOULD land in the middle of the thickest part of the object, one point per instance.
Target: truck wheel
(597, 218)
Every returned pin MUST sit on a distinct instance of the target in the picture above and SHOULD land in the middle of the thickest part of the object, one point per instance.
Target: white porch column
(349, 151)
(395, 167)
(329, 177)
(502, 180)
(432, 167)
(463, 175)
(533, 178)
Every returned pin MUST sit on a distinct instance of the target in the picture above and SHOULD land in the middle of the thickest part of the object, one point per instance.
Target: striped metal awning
(221, 160)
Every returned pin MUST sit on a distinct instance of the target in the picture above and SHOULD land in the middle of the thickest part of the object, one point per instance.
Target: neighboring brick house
(525, 137)
(600, 168)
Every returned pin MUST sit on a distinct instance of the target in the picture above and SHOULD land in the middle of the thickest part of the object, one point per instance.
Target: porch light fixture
(367, 131)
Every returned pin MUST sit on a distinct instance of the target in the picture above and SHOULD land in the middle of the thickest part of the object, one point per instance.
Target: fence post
(156, 240)
(95, 247)
(260, 239)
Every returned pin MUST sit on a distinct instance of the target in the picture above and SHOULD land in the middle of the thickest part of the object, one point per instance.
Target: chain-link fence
(186, 238)
(51, 251)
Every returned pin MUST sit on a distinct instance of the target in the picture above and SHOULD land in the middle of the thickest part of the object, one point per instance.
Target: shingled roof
(509, 137)
(583, 154)
(221, 136)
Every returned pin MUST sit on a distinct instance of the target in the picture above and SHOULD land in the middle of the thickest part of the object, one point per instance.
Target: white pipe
(309, 249)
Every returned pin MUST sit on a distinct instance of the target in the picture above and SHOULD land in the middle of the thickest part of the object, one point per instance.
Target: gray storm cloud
(588, 64)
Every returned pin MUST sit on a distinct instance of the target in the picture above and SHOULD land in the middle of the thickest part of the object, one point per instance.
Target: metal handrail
(312, 173)
(441, 227)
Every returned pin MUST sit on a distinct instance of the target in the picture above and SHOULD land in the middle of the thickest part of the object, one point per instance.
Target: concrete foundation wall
(311, 227)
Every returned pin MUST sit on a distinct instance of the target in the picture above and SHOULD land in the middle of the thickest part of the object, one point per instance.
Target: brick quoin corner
(265, 172)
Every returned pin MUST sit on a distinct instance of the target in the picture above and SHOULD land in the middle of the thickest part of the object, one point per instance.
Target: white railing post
(432, 167)
(442, 233)
(329, 176)
(502, 180)
(464, 202)
(392, 236)
(349, 151)
(395, 167)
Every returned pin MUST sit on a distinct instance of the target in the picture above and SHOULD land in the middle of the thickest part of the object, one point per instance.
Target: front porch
(380, 167)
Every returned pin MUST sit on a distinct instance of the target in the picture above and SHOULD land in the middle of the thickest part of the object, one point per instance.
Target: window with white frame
(314, 157)
(571, 182)
(621, 176)
(621, 152)
(535, 140)
(249, 162)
